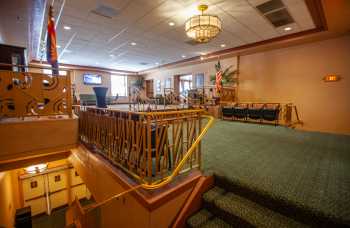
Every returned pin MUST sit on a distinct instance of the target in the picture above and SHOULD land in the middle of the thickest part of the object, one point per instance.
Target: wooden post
(69, 94)
(149, 146)
(237, 77)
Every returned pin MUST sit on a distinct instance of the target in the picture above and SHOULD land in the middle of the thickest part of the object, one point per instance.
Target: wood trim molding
(23, 161)
(317, 13)
(35, 154)
(194, 201)
(318, 16)
(84, 68)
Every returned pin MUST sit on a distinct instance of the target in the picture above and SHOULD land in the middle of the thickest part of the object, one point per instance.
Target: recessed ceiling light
(157, 63)
(287, 28)
(183, 56)
(111, 55)
(223, 45)
(171, 23)
(133, 43)
(58, 46)
(203, 53)
(202, 57)
(66, 27)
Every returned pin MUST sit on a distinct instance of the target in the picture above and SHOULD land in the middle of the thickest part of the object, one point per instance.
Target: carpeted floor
(308, 169)
(57, 218)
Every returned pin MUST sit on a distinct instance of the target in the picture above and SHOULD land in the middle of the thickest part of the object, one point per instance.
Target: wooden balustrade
(33, 94)
(147, 145)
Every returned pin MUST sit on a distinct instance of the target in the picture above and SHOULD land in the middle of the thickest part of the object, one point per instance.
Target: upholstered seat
(271, 112)
(240, 111)
(227, 111)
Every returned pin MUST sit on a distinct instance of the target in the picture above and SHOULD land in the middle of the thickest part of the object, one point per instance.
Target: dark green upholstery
(90, 99)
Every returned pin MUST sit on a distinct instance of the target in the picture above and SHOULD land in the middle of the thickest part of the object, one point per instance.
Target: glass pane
(119, 85)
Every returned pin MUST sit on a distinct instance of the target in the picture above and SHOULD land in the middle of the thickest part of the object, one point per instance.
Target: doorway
(149, 88)
(185, 84)
(51, 189)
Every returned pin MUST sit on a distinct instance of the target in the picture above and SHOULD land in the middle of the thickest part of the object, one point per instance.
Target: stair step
(199, 218)
(239, 211)
(204, 218)
(213, 194)
(216, 223)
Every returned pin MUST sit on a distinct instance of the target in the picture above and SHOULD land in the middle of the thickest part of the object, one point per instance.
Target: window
(185, 84)
(158, 87)
(119, 85)
(168, 83)
(200, 80)
(16, 60)
(49, 72)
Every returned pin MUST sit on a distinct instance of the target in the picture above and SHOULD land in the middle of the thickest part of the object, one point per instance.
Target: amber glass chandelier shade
(203, 28)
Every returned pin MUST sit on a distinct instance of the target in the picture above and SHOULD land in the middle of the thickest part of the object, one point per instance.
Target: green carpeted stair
(300, 175)
(223, 208)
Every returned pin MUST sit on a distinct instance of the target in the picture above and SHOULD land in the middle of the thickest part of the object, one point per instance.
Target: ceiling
(14, 22)
(100, 41)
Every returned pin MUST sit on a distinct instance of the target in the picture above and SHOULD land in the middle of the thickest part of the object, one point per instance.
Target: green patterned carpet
(308, 170)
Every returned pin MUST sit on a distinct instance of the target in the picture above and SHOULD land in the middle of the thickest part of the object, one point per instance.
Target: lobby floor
(57, 219)
(308, 169)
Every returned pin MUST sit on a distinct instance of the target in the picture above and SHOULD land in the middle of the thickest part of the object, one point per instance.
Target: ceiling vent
(270, 6)
(275, 12)
(280, 18)
(143, 63)
(105, 11)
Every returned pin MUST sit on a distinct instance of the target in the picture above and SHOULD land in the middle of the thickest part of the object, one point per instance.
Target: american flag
(218, 78)
(51, 51)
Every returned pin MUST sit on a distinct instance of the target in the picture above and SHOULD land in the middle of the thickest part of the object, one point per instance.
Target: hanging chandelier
(203, 28)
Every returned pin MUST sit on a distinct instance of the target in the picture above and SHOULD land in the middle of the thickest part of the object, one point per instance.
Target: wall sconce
(331, 78)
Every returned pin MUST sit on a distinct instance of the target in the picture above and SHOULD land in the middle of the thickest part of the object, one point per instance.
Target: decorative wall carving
(33, 94)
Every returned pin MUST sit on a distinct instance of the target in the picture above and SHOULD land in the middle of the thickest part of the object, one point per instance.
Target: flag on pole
(51, 51)
(218, 79)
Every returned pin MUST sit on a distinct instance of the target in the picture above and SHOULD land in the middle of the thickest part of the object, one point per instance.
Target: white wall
(295, 74)
(81, 88)
(208, 68)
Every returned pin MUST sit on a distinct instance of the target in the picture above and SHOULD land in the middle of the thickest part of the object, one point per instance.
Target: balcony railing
(149, 146)
(25, 94)
(153, 147)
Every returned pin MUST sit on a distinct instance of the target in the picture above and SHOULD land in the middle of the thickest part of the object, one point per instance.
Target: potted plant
(138, 83)
(228, 77)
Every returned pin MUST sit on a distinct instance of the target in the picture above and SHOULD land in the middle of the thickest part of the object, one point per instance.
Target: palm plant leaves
(227, 75)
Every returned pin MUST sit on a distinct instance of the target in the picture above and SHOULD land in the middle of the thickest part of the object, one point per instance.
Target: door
(34, 194)
(78, 188)
(149, 88)
(58, 189)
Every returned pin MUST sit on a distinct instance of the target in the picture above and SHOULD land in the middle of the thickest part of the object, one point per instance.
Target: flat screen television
(92, 79)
